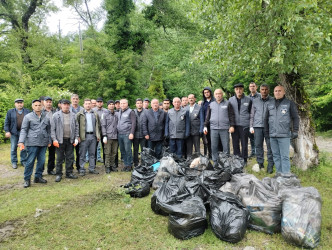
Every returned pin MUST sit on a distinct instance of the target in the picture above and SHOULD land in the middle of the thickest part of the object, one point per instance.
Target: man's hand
(205, 130)
(131, 136)
(49, 145)
(147, 137)
(252, 130)
(8, 134)
(21, 146)
(79, 140)
(295, 135)
(56, 144)
(105, 140)
(231, 130)
(75, 143)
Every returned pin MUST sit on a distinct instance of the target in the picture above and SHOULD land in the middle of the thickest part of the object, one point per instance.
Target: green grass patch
(93, 212)
(325, 134)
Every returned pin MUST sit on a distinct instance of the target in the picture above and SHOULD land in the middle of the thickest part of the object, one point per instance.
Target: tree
(284, 38)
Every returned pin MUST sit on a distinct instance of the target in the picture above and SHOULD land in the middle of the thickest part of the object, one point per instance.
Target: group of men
(86, 129)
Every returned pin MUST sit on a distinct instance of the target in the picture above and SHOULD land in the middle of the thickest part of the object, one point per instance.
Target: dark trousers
(259, 141)
(157, 146)
(96, 154)
(77, 161)
(252, 143)
(240, 135)
(51, 159)
(65, 153)
(191, 141)
(34, 152)
(137, 143)
(176, 146)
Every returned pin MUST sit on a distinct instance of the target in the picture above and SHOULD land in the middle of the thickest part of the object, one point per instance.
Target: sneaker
(51, 172)
(114, 169)
(14, 165)
(58, 178)
(93, 171)
(71, 176)
(26, 184)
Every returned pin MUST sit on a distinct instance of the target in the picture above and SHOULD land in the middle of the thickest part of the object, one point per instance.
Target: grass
(93, 212)
(325, 134)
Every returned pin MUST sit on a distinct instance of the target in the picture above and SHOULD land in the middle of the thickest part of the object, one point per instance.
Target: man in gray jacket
(257, 115)
(221, 119)
(177, 127)
(109, 131)
(126, 130)
(36, 137)
(281, 124)
(64, 133)
(242, 107)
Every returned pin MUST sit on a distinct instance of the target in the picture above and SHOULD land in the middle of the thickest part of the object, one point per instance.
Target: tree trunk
(305, 147)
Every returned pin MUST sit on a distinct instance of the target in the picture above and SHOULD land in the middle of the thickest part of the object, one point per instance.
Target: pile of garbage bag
(188, 190)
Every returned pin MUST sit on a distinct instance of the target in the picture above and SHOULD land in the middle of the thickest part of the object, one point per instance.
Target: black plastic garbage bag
(188, 219)
(137, 189)
(281, 182)
(232, 164)
(167, 167)
(194, 186)
(239, 183)
(215, 179)
(301, 216)
(229, 218)
(166, 194)
(264, 207)
(148, 157)
(143, 173)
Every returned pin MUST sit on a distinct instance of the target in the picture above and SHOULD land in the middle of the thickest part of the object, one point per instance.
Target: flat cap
(46, 98)
(19, 100)
(117, 101)
(238, 85)
(35, 100)
(65, 101)
(109, 102)
(99, 99)
(146, 99)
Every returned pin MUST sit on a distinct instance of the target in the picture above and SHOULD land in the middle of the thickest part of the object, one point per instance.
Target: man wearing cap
(89, 135)
(220, 118)
(146, 103)
(75, 108)
(100, 111)
(109, 131)
(281, 124)
(49, 110)
(253, 95)
(126, 130)
(196, 127)
(257, 115)
(177, 127)
(64, 133)
(242, 108)
(36, 137)
(139, 139)
(12, 127)
(153, 127)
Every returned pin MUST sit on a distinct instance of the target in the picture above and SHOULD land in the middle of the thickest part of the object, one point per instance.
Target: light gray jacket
(57, 127)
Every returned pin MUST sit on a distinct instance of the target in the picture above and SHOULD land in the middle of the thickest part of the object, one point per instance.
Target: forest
(172, 48)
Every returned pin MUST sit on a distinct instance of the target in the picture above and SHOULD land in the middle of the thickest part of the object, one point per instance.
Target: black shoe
(261, 165)
(114, 169)
(107, 170)
(14, 165)
(269, 169)
(71, 176)
(26, 184)
(51, 172)
(39, 180)
(58, 178)
(93, 171)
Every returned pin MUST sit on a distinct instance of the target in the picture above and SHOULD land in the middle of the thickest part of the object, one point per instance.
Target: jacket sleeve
(252, 114)
(266, 123)
(24, 130)
(53, 129)
(7, 121)
(145, 130)
(103, 126)
(49, 130)
(207, 118)
(98, 132)
(166, 125)
(187, 124)
(133, 122)
(201, 122)
(231, 115)
(77, 131)
(295, 116)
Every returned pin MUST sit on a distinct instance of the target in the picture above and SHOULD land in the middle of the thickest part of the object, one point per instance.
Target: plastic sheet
(138, 189)
(143, 173)
(188, 219)
(229, 218)
(301, 216)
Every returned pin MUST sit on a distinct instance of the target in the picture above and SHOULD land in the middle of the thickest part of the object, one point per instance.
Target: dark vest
(279, 118)
(177, 123)
(195, 120)
(259, 107)
(139, 121)
(219, 118)
(242, 118)
(124, 124)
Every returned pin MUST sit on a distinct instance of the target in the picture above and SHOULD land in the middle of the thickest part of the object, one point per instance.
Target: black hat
(109, 102)
(65, 101)
(46, 98)
(147, 99)
(19, 100)
(117, 101)
(35, 100)
(238, 85)
(100, 99)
